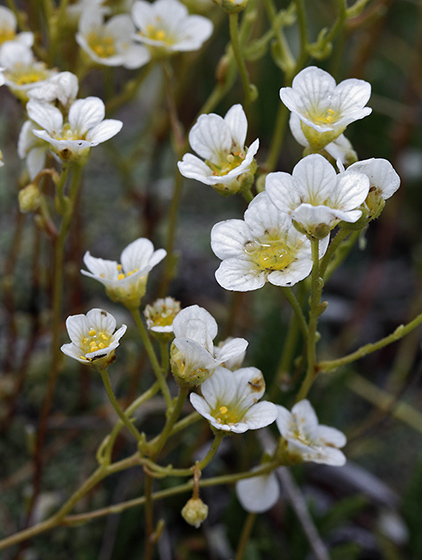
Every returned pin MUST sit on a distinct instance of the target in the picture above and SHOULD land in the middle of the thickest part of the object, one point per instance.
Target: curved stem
(116, 406)
(234, 37)
(152, 356)
(245, 536)
(162, 438)
(400, 332)
(291, 298)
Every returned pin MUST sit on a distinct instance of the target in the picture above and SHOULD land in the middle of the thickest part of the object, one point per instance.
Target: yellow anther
(92, 332)
(224, 409)
(85, 340)
(101, 345)
(104, 336)
(121, 276)
(119, 267)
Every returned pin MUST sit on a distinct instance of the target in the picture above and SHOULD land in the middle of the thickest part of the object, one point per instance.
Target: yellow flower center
(23, 75)
(157, 33)
(95, 341)
(6, 35)
(102, 45)
(225, 415)
(270, 254)
(329, 116)
(122, 275)
(231, 161)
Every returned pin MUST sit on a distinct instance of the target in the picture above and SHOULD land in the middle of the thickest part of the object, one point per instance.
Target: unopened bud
(195, 512)
(29, 198)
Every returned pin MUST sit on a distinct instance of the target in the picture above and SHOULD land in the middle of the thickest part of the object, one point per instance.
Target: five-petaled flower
(93, 337)
(194, 357)
(125, 282)
(316, 197)
(228, 164)
(265, 247)
(166, 27)
(230, 400)
(307, 440)
(85, 126)
(324, 108)
(110, 43)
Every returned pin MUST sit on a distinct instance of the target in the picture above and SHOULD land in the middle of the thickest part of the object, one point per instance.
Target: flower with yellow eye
(264, 247)
(110, 43)
(166, 27)
(230, 400)
(85, 126)
(229, 164)
(160, 316)
(126, 282)
(20, 69)
(324, 108)
(8, 25)
(307, 440)
(93, 338)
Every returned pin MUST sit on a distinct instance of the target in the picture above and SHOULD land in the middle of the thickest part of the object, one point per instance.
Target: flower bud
(195, 512)
(187, 374)
(29, 198)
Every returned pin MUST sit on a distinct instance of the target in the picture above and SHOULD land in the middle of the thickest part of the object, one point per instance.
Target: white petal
(262, 215)
(240, 275)
(305, 415)
(381, 175)
(100, 268)
(238, 124)
(101, 320)
(228, 238)
(331, 436)
(136, 255)
(231, 349)
(315, 178)
(220, 388)
(85, 114)
(260, 415)
(77, 328)
(282, 191)
(136, 56)
(198, 314)
(284, 421)
(35, 160)
(292, 274)
(210, 137)
(194, 168)
(258, 494)
(352, 190)
(104, 131)
(46, 116)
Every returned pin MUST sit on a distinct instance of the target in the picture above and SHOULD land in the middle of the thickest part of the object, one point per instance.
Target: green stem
(159, 372)
(116, 406)
(286, 57)
(235, 43)
(316, 287)
(303, 30)
(245, 536)
(106, 447)
(162, 438)
(278, 137)
(399, 333)
(291, 298)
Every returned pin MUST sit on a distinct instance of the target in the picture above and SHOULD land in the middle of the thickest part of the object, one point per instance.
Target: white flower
(8, 25)
(230, 400)
(339, 149)
(126, 282)
(160, 316)
(265, 247)
(93, 338)
(33, 149)
(84, 128)
(166, 26)
(316, 197)
(306, 440)
(193, 355)
(62, 87)
(110, 43)
(383, 179)
(323, 108)
(259, 493)
(221, 142)
(232, 363)
(21, 71)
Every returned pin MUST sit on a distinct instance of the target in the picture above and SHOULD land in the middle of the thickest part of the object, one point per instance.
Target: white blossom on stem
(84, 128)
(110, 43)
(33, 149)
(221, 143)
(316, 197)
(62, 87)
(306, 439)
(125, 282)
(264, 247)
(194, 357)
(324, 108)
(259, 493)
(166, 27)
(230, 400)
(8, 27)
(94, 338)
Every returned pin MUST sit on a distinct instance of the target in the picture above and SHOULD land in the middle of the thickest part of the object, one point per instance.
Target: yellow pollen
(327, 116)
(121, 276)
(270, 254)
(103, 46)
(224, 415)
(119, 267)
(6, 35)
(156, 34)
(92, 332)
(223, 409)
(95, 341)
